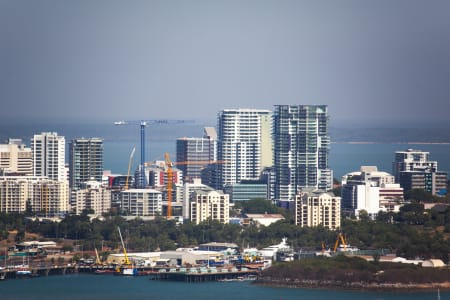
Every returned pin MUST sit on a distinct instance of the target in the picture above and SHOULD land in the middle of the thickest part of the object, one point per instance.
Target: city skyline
(368, 61)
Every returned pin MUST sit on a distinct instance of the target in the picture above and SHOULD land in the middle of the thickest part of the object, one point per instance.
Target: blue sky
(92, 60)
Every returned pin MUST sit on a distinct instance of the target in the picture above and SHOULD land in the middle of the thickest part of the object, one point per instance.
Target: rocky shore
(362, 286)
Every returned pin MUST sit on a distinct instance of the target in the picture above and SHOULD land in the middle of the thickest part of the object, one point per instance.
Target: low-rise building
(246, 190)
(37, 194)
(317, 207)
(370, 190)
(92, 195)
(16, 158)
(262, 219)
(141, 202)
(213, 205)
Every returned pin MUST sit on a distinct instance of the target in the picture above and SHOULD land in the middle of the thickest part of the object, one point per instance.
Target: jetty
(13, 273)
(203, 274)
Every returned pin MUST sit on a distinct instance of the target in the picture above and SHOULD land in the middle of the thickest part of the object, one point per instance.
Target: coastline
(354, 286)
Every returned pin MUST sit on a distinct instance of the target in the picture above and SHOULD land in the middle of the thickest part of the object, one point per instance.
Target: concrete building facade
(314, 208)
(211, 205)
(49, 156)
(414, 170)
(36, 194)
(195, 149)
(16, 158)
(141, 202)
(370, 190)
(301, 149)
(244, 142)
(92, 195)
(85, 161)
(245, 191)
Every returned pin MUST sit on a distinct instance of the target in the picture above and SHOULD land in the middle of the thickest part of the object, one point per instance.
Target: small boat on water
(23, 272)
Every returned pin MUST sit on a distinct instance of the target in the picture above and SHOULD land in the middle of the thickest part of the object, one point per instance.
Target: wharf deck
(12, 273)
(205, 275)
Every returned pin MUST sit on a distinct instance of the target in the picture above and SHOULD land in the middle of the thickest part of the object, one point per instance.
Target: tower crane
(169, 171)
(129, 167)
(142, 124)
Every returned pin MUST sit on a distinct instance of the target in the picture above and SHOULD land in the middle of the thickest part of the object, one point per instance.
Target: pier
(11, 273)
(204, 274)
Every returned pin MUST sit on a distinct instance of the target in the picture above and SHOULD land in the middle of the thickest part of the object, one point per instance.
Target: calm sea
(378, 149)
(97, 287)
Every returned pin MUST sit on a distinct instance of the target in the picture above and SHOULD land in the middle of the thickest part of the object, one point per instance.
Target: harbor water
(99, 287)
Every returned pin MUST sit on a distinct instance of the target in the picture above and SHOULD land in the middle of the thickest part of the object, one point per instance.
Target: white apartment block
(314, 208)
(49, 156)
(188, 190)
(141, 202)
(16, 159)
(211, 205)
(38, 194)
(92, 195)
(245, 143)
(412, 160)
(370, 190)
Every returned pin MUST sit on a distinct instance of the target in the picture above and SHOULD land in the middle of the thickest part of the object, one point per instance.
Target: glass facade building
(301, 149)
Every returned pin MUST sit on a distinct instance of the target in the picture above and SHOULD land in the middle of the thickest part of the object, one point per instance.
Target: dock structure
(12, 273)
(204, 274)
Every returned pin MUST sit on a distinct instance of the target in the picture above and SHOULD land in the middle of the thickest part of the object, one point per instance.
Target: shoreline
(355, 286)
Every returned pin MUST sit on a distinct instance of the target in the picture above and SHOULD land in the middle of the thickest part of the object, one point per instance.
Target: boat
(23, 271)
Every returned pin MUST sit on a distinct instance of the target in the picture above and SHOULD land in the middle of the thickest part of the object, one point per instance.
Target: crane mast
(169, 165)
(129, 167)
(169, 185)
(142, 124)
(127, 261)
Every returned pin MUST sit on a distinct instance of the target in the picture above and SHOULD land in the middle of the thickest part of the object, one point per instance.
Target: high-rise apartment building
(16, 158)
(414, 170)
(412, 160)
(49, 156)
(85, 161)
(301, 149)
(195, 149)
(244, 143)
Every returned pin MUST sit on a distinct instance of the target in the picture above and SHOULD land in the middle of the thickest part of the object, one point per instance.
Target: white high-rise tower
(244, 143)
(49, 156)
(301, 149)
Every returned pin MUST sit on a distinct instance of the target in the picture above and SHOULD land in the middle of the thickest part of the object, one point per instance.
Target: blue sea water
(345, 157)
(87, 287)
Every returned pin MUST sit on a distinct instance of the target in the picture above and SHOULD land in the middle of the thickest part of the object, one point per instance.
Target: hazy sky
(112, 60)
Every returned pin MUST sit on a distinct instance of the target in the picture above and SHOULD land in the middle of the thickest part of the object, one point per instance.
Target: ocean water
(347, 151)
(98, 287)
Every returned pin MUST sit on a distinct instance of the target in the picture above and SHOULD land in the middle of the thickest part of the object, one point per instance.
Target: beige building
(38, 194)
(92, 196)
(314, 208)
(212, 205)
(141, 202)
(15, 158)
